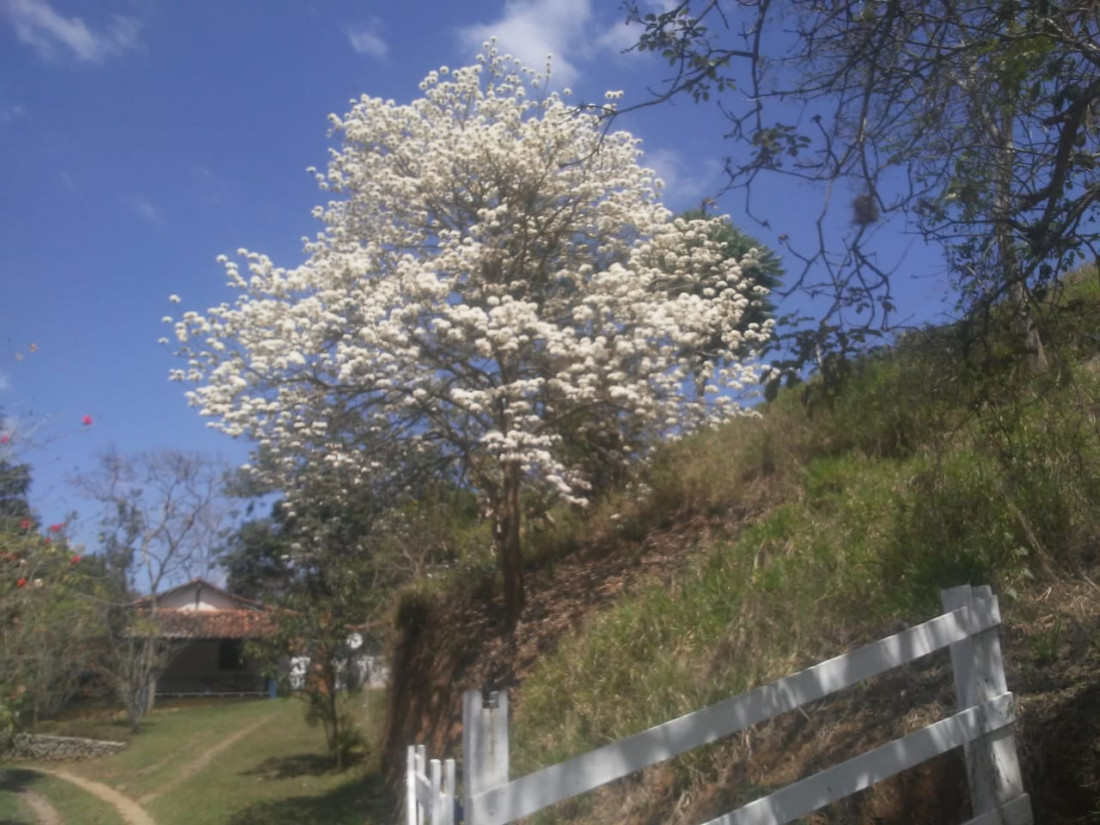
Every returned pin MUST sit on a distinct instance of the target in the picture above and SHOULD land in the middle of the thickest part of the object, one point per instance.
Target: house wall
(203, 667)
(197, 598)
(365, 671)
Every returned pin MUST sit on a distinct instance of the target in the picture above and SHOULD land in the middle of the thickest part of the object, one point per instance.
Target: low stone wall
(41, 748)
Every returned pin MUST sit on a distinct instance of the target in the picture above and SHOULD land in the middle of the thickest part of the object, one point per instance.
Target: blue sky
(139, 139)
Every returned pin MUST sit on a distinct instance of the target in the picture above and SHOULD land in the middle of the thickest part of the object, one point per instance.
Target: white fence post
(484, 744)
(447, 800)
(436, 780)
(410, 786)
(429, 789)
(992, 768)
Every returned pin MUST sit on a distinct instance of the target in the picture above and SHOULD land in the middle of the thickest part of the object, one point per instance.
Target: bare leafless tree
(162, 521)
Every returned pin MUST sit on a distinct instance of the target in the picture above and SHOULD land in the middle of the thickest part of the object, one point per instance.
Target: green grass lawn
(13, 810)
(276, 773)
(73, 805)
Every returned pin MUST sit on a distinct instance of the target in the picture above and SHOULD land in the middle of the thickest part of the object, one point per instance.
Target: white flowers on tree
(496, 286)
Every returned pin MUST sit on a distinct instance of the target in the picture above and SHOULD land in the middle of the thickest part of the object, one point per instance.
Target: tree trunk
(1026, 332)
(335, 734)
(1023, 321)
(509, 543)
(151, 693)
(149, 675)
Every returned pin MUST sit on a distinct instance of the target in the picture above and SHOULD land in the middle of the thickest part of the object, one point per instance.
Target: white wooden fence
(982, 726)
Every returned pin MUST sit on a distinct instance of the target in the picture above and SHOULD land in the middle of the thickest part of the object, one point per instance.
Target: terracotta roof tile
(214, 624)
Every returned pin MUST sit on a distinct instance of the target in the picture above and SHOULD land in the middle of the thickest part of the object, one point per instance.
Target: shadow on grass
(289, 767)
(356, 801)
(15, 780)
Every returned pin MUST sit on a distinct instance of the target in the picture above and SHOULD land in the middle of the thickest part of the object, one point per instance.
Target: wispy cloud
(532, 29)
(5, 384)
(685, 185)
(10, 113)
(366, 40)
(210, 187)
(145, 209)
(53, 35)
(620, 36)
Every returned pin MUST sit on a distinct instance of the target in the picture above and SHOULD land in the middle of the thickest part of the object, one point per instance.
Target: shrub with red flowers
(45, 612)
(47, 595)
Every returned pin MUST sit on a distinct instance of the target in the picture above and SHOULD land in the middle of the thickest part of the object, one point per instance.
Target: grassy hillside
(833, 518)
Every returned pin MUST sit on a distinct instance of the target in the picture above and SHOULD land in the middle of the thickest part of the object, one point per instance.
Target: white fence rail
(982, 726)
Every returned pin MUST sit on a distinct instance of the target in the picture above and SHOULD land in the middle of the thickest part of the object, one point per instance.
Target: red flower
(25, 524)
(21, 583)
(86, 420)
(5, 438)
(56, 528)
(47, 540)
(74, 560)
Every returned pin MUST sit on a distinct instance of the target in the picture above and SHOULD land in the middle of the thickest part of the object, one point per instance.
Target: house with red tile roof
(208, 627)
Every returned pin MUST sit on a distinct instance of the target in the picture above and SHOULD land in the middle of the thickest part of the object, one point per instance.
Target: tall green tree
(974, 122)
(256, 559)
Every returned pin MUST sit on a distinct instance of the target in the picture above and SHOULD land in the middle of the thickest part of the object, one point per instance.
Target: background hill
(773, 542)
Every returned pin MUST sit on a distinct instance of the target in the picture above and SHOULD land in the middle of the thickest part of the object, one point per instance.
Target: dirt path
(132, 813)
(44, 812)
(200, 762)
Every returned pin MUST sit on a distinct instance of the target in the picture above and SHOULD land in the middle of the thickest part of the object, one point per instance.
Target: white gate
(982, 726)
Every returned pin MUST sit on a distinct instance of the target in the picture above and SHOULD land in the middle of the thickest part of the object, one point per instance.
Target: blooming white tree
(497, 286)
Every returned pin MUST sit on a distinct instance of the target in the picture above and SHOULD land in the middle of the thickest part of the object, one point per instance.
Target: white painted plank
(496, 742)
(992, 767)
(1016, 812)
(419, 780)
(424, 791)
(410, 786)
(435, 783)
(525, 796)
(1004, 781)
(447, 814)
(863, 771)
(472, 745)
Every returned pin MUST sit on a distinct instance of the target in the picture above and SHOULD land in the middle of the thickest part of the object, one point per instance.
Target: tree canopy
(496, 281)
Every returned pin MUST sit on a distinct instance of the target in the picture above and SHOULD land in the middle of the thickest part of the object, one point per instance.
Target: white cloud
(685, 185)
(365, 40)
(145, 209)
(620, 36)
(50, 34)
(532, 29)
